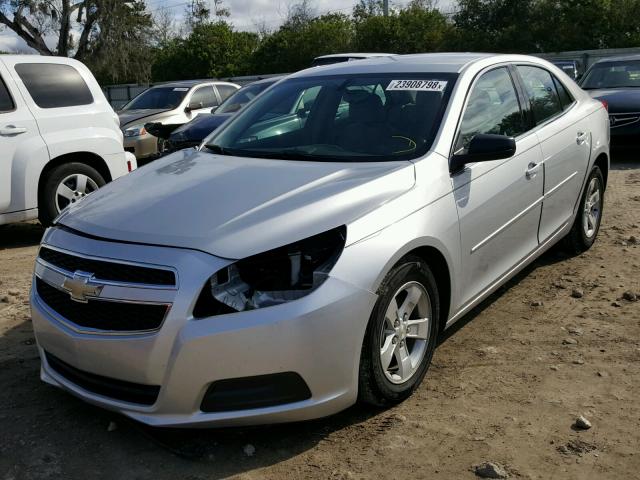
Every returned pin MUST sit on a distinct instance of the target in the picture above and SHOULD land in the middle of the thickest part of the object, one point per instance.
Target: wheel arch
(602, 162)
(439, 266)
(88, 158)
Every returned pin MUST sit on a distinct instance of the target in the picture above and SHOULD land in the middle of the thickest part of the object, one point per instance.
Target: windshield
(340, 118)
(613, 75)
(243, 96)
(164, 98)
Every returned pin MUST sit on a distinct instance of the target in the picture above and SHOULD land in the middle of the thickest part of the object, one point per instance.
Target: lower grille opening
(108, 387)
(255, 392)
(102, 315)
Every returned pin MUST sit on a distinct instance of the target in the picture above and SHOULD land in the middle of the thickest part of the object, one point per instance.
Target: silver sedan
(282, 274)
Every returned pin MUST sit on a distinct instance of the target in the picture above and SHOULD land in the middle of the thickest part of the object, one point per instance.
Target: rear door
(564, 135)
(499, 201)
(20, 142)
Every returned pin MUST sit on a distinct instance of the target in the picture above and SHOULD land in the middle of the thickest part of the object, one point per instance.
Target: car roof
(622, 58)
(266, 80)
(191, 83)
(355, 55)
(415, 63)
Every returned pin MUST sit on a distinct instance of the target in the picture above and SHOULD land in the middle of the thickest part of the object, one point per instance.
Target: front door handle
(532, 170)
(581, 138)
(12, 130)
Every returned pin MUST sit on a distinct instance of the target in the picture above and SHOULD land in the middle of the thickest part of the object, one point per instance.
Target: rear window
(6, 103)
(565, 97)
(53, 85)
(541, 89)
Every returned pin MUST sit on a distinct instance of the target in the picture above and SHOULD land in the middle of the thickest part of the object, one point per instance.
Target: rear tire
(66, 184)
(587, 223)
(399, 344)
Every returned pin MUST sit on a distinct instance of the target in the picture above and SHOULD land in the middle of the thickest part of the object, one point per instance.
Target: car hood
(619, 100)
(201, 126)
(235, 207)
(130, 116)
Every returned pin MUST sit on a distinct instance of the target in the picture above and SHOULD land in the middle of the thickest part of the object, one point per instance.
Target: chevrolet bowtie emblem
(81, 286)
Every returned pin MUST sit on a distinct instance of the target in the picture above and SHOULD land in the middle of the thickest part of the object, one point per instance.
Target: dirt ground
(505, 386)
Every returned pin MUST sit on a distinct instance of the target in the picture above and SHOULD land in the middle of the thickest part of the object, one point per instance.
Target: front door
(499, 202)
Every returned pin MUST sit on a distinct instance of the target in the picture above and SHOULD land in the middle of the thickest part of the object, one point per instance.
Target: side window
(225, 91)
(6, 102)
(566, 100)
(541, 89)
(53, 85)
(206, 96)
(493, 108)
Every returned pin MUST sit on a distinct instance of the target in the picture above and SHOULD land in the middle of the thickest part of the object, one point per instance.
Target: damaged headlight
(274, 277)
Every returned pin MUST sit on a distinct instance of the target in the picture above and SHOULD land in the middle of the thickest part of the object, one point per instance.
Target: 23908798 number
(418, 85)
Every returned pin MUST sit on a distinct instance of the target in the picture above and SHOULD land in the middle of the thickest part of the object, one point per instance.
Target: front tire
(401, 335)
(587, 223)
(66, 184)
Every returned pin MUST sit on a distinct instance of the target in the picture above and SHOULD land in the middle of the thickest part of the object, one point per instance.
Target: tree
(121, 45)
(211, 50)
(497, 26)
(300, 39)
(35, 20)
(94, 31)
(419, 27)
(164, 26)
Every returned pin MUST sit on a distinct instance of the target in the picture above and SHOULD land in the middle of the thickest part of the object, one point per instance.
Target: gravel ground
(506, 387)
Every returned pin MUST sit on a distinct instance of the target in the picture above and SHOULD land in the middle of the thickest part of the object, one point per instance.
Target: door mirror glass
(483, 148)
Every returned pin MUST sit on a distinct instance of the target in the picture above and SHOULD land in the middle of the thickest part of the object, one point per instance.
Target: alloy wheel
(405, 332)
(592, 208)
(72, 188)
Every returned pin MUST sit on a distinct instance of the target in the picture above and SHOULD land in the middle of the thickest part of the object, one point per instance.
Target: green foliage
(296, 43)
(519, 26)
(211, 50)
(529, 26)
(125, 33)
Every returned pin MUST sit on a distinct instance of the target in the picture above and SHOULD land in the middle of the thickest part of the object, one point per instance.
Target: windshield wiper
(218, 149)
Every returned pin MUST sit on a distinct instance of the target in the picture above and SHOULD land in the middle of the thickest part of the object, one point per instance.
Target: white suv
(59, 137)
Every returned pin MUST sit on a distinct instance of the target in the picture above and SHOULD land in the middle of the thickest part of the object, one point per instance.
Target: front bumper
(318, 337)
(142, 146)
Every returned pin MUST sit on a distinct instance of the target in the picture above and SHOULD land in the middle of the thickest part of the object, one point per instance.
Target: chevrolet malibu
(274, 276)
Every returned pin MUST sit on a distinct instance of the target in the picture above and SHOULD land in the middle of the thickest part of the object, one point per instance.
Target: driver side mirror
(484, 148)
(193, 106)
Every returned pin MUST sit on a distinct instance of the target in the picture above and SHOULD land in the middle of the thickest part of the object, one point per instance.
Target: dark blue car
(616, 82)
(193, 133)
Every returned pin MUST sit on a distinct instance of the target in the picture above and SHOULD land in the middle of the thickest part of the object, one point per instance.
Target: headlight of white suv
(134, 131)
(277, 276)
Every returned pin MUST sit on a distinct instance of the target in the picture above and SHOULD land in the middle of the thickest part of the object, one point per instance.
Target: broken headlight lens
(274, 277)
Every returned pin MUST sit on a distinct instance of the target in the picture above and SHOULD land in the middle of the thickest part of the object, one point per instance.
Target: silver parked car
(275, 276)
(174, 104)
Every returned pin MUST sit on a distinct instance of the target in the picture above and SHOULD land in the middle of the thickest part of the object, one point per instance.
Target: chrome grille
(102, 315)
(108, 270)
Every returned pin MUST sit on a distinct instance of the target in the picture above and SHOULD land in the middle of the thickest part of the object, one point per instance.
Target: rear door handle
(12, 130)
(581, 138)
(532, 170)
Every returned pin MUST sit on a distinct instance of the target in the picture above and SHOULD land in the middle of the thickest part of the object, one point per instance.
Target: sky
(245, 14)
